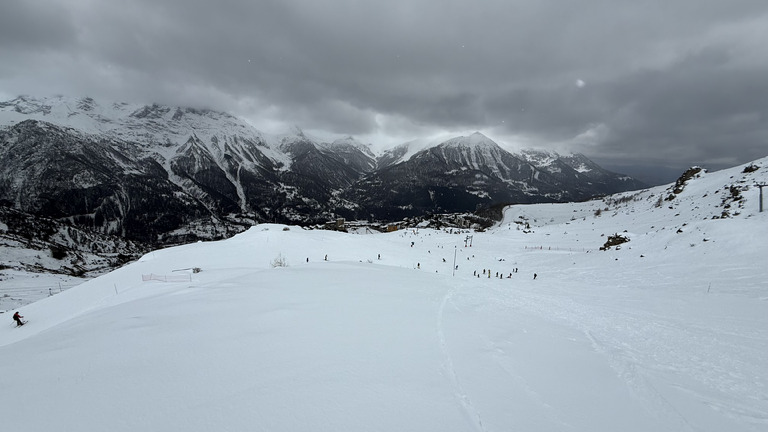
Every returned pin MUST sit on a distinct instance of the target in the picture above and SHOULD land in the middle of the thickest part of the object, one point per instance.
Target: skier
(534, 276)
(17, 317)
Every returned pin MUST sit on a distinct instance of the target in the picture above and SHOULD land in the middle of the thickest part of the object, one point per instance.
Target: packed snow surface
(667, 332)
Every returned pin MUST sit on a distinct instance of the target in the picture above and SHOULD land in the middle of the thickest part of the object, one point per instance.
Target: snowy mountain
(45, 246)
(159, 174)
(579, 170)
(468, 173)
(533, 325)
(353, 153)
(222, 164)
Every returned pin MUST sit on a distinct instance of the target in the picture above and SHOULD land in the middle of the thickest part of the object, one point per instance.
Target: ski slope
(667, 333)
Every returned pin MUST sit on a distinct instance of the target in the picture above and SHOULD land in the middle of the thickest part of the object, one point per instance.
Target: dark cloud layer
(631, 84)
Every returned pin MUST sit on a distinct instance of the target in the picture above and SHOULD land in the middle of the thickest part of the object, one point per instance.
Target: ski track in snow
(500, 358)
(641, 346)
(627, 368)
(461, 395)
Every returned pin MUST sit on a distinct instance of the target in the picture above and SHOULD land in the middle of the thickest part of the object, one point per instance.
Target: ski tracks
(626, 366)
(646, 349)
(695, 361)
(450, 371)
(673, 365)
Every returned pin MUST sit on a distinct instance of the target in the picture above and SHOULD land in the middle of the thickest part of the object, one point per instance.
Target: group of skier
(498, 275)
(474, 273)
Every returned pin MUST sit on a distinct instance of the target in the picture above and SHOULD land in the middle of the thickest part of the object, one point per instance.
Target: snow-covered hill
(528, 326)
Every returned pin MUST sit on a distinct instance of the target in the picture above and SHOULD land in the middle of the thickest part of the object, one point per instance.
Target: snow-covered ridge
(162, 129)
(480, 144)
(475, 141)
(701, 195)
(540, 158)
(165, 128)
(351, 142)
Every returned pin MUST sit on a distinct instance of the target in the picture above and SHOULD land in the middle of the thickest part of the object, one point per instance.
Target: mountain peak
(350, 141)
(476, 141)
(296, 130)
(347, 140)
(86, 104)
(477, 136)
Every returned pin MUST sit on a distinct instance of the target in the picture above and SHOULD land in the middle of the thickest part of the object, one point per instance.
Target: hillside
(535, 328)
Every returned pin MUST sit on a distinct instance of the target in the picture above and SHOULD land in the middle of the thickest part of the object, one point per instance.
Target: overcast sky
(631, 84)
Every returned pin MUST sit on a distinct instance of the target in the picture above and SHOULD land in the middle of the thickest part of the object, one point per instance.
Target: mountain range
(156, 174)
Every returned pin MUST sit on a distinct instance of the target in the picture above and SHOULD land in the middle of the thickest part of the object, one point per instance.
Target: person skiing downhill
(17, 317)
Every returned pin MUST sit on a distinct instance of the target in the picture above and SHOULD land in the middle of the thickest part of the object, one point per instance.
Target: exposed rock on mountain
(467, 173)
(159, 175)
(61, 174)
(41, 245)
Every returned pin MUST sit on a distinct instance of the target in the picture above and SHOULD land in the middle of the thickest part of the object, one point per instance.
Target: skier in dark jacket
(18, 320)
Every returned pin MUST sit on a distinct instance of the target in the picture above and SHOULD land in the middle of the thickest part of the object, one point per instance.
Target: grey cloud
(28, 25)
(678, 79)
(701, 109)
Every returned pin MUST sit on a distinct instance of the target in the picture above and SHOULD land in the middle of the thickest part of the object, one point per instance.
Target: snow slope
(667, 333)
